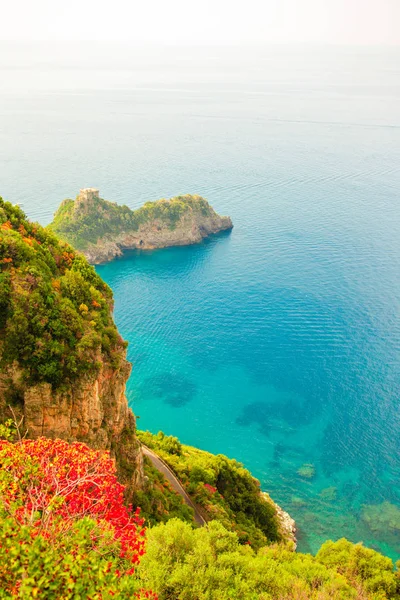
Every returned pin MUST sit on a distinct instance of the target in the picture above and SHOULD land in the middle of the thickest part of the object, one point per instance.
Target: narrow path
(162, 466)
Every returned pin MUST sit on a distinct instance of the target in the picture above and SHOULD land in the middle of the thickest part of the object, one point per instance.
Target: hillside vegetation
(55, 311)
(65, 533)
(210, 564)
(64, 529)
(221, 487)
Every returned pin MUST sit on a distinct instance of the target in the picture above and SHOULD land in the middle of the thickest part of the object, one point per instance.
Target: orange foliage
(6, 225)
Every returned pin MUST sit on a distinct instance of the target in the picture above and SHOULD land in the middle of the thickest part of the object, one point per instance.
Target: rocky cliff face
(190, 229)
(287, 525)
(93, 410)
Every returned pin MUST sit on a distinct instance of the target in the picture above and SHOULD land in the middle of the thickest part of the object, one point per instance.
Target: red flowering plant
(48, 484)
(64, 529)
(210, 488)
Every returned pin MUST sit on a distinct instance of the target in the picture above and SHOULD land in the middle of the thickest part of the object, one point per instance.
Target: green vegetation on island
(87, 219)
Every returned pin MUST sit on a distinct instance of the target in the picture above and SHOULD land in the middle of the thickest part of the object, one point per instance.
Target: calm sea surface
(277, 344)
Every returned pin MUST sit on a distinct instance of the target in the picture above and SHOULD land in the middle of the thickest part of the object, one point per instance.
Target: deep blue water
(277, 344)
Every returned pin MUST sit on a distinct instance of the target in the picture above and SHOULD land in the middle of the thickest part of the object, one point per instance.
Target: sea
(277, 344)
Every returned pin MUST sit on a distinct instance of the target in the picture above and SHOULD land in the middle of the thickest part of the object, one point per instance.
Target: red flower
(50, 483)
(210, 488)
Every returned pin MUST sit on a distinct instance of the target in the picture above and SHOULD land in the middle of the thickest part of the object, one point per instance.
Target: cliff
(102, 230)
(63, 364)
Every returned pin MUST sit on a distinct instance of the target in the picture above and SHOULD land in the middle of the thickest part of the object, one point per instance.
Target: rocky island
(102, 230)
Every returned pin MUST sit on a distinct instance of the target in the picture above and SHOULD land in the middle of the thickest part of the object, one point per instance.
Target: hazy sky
(203, 21)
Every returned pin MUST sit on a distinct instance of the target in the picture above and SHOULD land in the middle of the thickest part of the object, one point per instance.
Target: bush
(361, 565)
(68, 567)
(158, 501)
(47, 484)
(209, 563)
(64, 530)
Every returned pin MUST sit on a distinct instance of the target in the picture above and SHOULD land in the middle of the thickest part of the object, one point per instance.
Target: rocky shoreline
(190, 230)
(287, 523)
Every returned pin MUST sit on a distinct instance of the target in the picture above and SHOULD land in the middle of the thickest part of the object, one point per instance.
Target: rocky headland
(102, 230)
(63, 372)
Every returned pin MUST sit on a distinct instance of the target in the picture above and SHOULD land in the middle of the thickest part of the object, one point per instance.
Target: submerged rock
(329, 493)
(307, 471)
(382, 518)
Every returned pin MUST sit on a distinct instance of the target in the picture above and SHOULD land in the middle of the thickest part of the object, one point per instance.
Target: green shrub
(158, 501)
(362, 565)
(210, 564)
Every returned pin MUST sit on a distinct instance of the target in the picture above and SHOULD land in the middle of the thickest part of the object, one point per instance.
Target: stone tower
(89, 194)
(85, 200)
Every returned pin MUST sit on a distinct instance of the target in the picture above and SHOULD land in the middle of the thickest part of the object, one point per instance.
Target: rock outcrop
(103, 230)
(286, 522)
(92, 409)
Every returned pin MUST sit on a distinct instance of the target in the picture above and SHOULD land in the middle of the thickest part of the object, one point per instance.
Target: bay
(279, 343)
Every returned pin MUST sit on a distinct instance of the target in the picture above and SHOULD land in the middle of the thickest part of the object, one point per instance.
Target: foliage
(209, 563)
(361, 565)
(64, 530)
(84, 222)
(65, 534)
(55, 310)
(225, 489)
(48, 484)
(68, 567)
(157, 500)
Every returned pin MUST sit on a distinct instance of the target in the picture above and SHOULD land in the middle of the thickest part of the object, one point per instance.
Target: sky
(175, 22)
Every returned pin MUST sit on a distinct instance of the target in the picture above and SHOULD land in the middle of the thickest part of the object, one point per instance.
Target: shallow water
(277, 344)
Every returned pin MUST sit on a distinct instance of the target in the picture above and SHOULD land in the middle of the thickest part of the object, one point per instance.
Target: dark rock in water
(175, 390)
(258, 413)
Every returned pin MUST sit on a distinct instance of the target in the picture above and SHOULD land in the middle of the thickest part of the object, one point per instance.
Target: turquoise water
(279, 343)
